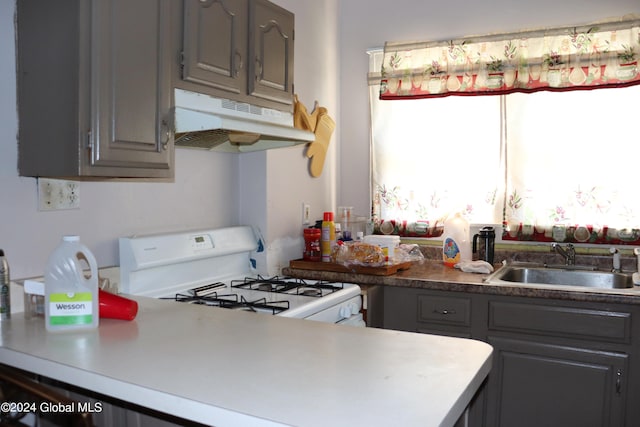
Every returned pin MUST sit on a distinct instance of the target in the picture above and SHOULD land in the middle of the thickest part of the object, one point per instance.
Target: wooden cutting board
(385, 270)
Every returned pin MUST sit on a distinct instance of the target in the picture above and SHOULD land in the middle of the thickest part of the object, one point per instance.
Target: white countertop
(225, 368)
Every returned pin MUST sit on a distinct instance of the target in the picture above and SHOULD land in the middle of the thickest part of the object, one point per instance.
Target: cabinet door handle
(618, 381)
(166, 129)
(258, 68)
(238, 65)
(444, 311)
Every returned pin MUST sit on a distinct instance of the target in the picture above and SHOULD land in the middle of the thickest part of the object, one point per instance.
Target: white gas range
(214, 267)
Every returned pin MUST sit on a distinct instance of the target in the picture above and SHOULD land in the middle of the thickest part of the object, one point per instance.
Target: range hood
(205, 122)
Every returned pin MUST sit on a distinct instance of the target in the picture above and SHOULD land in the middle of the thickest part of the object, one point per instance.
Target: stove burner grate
(309, 291)
(259, 283)
(259, 305)
(207, 289)
(232, 301)
(287, 285)
(210, 299)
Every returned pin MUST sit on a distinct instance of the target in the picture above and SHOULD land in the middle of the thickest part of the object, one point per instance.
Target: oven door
(343, 313)
(355, 320)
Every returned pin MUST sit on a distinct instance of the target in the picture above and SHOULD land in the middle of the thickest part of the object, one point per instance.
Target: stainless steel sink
(560, 276)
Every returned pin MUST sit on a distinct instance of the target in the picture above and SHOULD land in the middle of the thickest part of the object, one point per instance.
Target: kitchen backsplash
(543, 255)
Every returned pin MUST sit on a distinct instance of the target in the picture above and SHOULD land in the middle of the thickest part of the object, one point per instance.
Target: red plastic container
(312, 244)
(114, 306)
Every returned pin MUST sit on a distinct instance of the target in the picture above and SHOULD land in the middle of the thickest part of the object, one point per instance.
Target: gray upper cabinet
(271, 31)
(94, 89)
(240, 50)
(215, 44)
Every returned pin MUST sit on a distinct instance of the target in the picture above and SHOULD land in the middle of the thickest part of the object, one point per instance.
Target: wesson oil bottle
(71, 297)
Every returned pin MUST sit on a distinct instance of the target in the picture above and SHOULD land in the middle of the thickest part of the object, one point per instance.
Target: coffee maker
(484, 243)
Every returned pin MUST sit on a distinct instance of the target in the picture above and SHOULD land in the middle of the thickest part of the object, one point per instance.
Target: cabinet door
(271, 37)
(418, 310)
(215, 44)
(535, 384)
(131, 88)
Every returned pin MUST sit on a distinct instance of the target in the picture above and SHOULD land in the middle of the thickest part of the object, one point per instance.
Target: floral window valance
(588, 57)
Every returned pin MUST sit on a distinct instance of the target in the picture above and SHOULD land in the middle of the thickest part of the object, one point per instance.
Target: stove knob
(354, 308)
(348, 310)
(345, 311)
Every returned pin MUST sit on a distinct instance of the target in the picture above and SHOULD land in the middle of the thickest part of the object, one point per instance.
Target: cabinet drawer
(560, 321)
(450, 310)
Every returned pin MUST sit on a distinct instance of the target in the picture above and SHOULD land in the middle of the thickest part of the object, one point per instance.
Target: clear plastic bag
(359, 253)
(407, 253)
(370, 255)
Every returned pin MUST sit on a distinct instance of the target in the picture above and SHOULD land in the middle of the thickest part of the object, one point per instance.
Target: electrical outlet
(57, 194)
(306, 214)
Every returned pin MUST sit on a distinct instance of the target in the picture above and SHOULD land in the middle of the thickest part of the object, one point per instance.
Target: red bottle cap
(328, 216)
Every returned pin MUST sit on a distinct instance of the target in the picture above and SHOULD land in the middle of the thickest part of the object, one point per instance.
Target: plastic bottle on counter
(312, 244)
(456, 246)
(5, 287)
(338, 229)
(328, 237)
(71, 297)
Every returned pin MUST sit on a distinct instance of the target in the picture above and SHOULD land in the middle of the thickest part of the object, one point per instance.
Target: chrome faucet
(616, 260)
(569, 254)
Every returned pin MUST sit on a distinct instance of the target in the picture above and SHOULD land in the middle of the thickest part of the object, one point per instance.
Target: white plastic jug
(456, 246)
(71, 298)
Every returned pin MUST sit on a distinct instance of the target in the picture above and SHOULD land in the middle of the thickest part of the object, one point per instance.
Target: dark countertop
(434, 275)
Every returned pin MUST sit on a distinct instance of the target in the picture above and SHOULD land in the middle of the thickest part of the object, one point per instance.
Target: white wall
(366, 24)
(210, 190)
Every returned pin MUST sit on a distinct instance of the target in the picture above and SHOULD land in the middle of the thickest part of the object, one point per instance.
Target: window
(551, 165)
(437, 156)
(571, 161)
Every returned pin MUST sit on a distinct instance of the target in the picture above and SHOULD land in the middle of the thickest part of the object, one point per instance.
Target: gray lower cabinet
(429, 312)
(539, 384)
(240, 50)
(94, 88)
(555, 363)
(423, 311)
